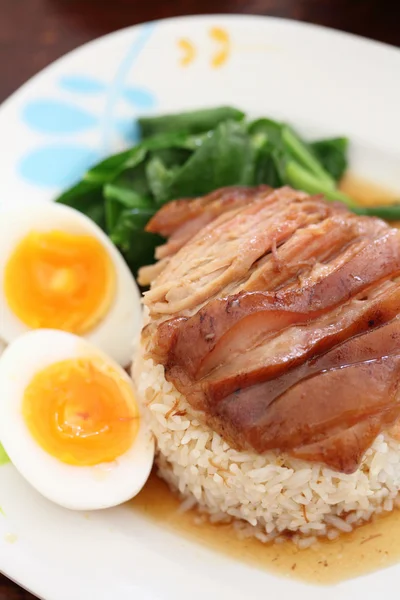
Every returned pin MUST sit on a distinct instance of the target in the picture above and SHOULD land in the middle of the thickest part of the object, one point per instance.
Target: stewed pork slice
(367, 346)
(207, 335)
(278, 322)
(320, 399)
(256, 352)
(181, 220)
(225, 251)
(310, 250)
(304, 421)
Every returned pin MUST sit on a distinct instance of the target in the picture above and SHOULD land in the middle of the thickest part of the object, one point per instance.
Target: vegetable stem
(193, 153)
(390, 212)
(302, 179)
(303, 155)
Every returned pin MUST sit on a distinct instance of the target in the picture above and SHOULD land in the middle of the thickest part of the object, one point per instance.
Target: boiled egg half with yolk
(70, 421)
(58, 270)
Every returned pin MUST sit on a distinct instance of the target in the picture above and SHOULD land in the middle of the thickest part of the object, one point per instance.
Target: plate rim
(305, 25)
(188, 19)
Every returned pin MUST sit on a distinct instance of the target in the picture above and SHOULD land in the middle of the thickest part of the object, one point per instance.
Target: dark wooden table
(33, 33)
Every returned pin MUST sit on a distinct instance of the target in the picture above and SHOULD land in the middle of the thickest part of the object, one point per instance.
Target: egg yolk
(81, 411)
(59, 280)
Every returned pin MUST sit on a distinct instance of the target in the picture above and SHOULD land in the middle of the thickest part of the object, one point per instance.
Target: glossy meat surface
(279, 322)
(181, 220)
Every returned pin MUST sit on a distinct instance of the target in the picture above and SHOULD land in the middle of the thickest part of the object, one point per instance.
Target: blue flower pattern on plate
(57, 117)
(139, 97)
(81, 84)
(61, 164)
(57, 165)
(128, 130)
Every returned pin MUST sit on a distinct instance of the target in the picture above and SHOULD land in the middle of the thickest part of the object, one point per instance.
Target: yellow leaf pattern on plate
(221, 36)
(188, 52)
(221, 39)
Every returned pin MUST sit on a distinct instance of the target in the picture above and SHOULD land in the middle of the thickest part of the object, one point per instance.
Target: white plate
(81, 108)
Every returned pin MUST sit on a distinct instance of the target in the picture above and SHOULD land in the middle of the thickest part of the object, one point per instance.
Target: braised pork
(181, 220)
(278, 320)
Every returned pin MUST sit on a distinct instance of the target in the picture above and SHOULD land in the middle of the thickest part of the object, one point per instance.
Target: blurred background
(34, 33)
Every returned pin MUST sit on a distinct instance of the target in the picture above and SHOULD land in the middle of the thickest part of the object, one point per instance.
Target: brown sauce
(365, 192)
(368, 548)
(368, 194)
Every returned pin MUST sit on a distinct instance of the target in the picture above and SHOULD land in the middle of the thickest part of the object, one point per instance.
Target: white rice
(275, 494)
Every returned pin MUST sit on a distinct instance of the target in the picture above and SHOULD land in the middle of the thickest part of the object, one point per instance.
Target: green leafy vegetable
(196, 121)
(135, 243)
(267, 167)
(269, 129)
(226, 155)
(87, 197)
(390, 212)
(193, 153)
(111, 167)
(160, 178)
(119, 197)
(302, 179)
(332, 154)
(3, 456)
(304, 157)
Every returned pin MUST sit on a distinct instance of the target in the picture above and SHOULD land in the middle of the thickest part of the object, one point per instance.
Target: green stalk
(3, 456)
(389, 212)
(302, 154)
(302, 179)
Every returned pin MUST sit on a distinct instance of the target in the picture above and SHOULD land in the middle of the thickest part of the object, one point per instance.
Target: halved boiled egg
(70, 421)
(58, 270)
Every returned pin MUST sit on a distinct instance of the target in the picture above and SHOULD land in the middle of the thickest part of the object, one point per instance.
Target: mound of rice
(274, 494)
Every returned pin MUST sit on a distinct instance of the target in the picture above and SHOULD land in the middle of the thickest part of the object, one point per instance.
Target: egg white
(74, 487)
(121, 324)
